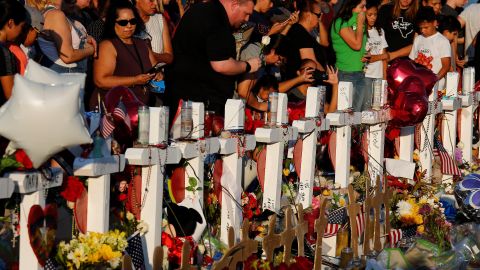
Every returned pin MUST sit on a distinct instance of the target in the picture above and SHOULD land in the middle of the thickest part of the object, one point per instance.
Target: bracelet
(247, 67)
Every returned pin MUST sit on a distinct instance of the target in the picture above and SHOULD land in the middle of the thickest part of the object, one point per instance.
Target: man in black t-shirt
(300, 44)
(204, 67)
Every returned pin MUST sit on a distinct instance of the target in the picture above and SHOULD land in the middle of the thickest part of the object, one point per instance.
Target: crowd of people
(213, 50)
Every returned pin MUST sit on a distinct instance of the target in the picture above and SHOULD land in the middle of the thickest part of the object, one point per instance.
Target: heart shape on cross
(42, 228)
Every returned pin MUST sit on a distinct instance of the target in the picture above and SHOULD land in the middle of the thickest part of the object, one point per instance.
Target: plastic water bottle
(186, 125)
(273, 107)
(143, 125)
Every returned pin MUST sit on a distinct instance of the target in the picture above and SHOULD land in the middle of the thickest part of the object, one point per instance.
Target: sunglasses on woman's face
(125, 22)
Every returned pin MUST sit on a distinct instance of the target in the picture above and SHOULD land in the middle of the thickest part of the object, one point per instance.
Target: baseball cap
(35, 18)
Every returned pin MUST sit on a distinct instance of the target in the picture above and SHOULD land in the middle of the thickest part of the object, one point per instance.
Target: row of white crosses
(33, 187)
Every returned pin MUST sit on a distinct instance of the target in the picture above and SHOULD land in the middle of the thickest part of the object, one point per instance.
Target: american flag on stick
(135, 250)
(360, 218)
(448, 163)
(336, 219)
(396, 234)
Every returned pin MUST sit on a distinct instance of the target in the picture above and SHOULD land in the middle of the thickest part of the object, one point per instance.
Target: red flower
(72, 189)
(22, 157)
(122, 197)
(282, 266)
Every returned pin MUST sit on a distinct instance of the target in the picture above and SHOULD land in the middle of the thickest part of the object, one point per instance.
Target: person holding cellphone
(123, 59)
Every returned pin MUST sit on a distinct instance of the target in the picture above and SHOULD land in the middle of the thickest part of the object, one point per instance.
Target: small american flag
(120, 114)
(51, 264)
(395, 235)
(135, 251)
(107, 126)
(448, 164)
(336, 219)
(360, 218)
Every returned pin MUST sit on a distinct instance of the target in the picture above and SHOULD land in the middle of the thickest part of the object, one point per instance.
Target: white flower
(130, 216)
(265, 40)
(460, 145)
(404, 208)
(142, 227)
(442, 209)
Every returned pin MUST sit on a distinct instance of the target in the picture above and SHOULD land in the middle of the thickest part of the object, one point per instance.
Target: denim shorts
(361, 96)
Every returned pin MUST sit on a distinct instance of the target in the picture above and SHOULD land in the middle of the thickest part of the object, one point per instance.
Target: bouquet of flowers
(93, 250)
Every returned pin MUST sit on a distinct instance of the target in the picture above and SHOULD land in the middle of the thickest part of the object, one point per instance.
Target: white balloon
(43, 119)
(38, 73)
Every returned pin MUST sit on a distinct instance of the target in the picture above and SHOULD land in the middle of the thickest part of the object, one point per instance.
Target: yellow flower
(342, 202)
(326, 192)
(418, 219)
(421, 229)
(286, 172)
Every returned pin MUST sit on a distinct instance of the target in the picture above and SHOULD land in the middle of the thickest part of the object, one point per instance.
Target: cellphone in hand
(156, 69)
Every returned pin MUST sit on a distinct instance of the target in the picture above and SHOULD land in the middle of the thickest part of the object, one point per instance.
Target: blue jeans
(361, 97)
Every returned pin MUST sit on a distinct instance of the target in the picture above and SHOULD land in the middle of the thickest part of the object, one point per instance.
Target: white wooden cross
(232, 149)
(98, 170)
(469, 105)
(376, 119)
(427, 133)
(308, 130)
(275, 137)
(194, 151)
(34, 188)
(344, 122)
(451, 103)
(153, 161)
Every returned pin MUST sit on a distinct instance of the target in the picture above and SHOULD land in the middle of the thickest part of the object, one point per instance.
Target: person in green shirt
(348, 40)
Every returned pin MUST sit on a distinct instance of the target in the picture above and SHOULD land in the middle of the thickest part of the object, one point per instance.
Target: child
(376, 67)
(431, 48)
(449, 27)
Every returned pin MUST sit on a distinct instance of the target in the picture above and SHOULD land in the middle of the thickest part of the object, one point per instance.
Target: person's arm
(384, 64)
(306, 76)
(58, 29)
(405, 51)
(308, 53)
(323, 33)
(7, 85)
(445, 67)
(244, 90)
(234, 67)
(167, 55)
(181, 8)
(354, 39)
(333, 80)
(104, 66)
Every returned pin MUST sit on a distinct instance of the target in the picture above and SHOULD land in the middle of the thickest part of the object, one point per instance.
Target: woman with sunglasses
(348, 39)
(123, 59)
(64, 42)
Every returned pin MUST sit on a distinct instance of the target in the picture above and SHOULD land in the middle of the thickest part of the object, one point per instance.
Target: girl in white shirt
(375, 59)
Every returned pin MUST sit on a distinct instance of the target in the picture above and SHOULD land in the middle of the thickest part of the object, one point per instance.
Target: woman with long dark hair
(65, 44)
(397, 19)
(348, 40)
(12, 20)
(123, 59)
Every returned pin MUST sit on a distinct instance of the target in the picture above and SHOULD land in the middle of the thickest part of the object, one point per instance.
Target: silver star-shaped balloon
(43, 119)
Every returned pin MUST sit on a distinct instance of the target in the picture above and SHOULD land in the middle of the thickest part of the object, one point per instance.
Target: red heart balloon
(42, 242)
(401, 69)
(410, 84)
(408, 109)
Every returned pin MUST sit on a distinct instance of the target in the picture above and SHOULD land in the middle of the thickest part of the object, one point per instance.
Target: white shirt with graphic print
(437, 46)
(375, 45)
